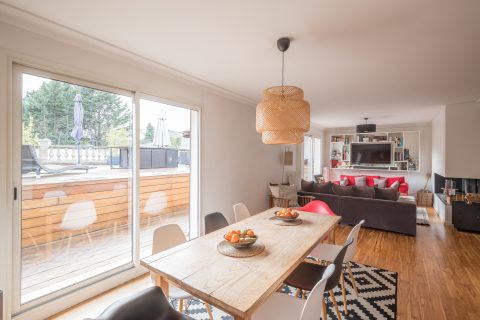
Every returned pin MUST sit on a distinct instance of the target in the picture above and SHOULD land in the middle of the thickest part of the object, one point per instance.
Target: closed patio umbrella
(161, 138)
(77, 132)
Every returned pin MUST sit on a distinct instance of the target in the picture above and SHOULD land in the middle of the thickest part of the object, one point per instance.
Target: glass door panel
(76, 184)
(165, 161)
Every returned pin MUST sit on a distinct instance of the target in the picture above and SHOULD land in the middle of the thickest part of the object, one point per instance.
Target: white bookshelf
(405, 146)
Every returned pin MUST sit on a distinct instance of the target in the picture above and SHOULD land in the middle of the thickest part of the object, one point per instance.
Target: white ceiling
(393, 61)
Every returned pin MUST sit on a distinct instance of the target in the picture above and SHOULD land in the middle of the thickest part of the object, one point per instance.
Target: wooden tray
(281, 222)
(226, 249)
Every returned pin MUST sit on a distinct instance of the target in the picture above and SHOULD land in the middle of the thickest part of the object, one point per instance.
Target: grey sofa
(396, 216)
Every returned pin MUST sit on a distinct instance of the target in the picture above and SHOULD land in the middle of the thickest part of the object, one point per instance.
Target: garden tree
(175, 142)
(50, 109)
(149, 133)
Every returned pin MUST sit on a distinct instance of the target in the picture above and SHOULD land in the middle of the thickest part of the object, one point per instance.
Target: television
(371, 153)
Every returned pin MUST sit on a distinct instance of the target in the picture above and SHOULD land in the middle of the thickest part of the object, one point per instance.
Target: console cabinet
(466, 216)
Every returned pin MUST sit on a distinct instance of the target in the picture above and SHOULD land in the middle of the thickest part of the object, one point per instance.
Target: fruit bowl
(241, 239)
(286, 214)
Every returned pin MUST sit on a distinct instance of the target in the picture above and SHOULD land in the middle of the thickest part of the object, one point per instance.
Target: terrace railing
(67, 154)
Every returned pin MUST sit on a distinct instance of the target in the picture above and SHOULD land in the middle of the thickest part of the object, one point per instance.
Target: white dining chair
(282, 306)
(79, 216)
(241, 211)
(164, 238)
(328, 252)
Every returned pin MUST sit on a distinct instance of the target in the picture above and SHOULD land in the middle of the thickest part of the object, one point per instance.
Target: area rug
(377, 297)
(422, 216)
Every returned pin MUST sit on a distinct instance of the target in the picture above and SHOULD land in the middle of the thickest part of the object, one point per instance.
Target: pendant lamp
(283, 116)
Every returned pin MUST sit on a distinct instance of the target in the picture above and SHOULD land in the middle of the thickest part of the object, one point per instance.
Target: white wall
(438, 143)
(235, 165)
(462, 139)
(416, 180)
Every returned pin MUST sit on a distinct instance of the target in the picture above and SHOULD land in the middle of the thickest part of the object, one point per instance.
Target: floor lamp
(287, 161)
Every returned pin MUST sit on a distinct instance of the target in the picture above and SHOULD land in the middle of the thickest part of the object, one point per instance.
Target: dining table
(238, 286)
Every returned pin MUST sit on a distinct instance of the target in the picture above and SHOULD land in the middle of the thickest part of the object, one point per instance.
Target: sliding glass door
(91, 184)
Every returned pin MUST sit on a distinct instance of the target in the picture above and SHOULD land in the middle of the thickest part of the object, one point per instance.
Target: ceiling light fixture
(367, 127)
(283, 116)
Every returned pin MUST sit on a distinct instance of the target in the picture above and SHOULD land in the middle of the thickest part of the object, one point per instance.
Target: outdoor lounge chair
(30, 163)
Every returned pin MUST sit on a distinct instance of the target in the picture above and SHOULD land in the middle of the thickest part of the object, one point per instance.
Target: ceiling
(392, 61)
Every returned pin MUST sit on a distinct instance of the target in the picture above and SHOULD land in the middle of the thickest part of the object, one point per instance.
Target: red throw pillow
(391, 180)
(370, 180)
(351, 179)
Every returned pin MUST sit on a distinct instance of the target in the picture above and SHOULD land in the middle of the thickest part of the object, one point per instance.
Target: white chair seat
(280, 306)
(177, 293)
(325, 251)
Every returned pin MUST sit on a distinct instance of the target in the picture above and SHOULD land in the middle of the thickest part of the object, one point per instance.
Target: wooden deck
(53, 258)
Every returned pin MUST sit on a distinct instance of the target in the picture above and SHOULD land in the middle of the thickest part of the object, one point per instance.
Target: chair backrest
(332, 282)
(215, 221)
(166, 237)
(79, 215)
(241, 211)
(312, 309)
(353, 247)
(149, 304)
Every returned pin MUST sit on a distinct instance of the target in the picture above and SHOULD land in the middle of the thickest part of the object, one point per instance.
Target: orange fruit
(228, 236)
(238, 232)
(250, 233)
(235, 238)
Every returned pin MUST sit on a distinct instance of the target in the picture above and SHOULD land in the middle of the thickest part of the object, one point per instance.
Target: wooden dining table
(239, 286)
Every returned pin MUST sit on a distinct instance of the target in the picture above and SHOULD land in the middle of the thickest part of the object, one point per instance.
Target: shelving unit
(406, 149)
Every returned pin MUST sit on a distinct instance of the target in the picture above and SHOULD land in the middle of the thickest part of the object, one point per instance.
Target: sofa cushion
(306, 185)
(361, 181)
(370, 180)
(391, 180)
(351, 179)
(343, 190)
(386, 194)
(363, 192)
(325, 187)
(395, 185)
(380, 182)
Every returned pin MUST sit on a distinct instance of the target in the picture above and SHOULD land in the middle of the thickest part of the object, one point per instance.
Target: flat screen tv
(371, 153)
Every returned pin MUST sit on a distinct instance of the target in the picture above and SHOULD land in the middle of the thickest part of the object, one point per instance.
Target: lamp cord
(283, 72)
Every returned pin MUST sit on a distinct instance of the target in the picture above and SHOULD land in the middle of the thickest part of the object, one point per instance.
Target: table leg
(162, 283)
(242, 318)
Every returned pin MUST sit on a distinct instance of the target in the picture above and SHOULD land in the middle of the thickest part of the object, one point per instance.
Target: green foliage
(149, 133)
(50, 109)
(118, 137)
(28, 137)
(175, 142)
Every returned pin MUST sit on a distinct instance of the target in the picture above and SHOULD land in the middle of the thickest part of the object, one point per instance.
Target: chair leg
(180, 306)
(342, 283)
(209, 310)
(297, 292)
(352, 278)
(332, 297)
(69, 242)
(89, 238)
(324, 309)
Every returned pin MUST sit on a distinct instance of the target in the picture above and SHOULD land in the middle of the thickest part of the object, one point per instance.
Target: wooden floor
(439, 273)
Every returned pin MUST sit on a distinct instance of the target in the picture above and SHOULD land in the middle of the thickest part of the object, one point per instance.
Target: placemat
(281, 222)
(226, 249)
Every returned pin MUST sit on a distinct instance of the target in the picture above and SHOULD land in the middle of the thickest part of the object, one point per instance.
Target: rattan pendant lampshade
(283, 116)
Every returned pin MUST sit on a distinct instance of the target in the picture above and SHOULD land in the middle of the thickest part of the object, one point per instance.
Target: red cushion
(370, 180)
(403, 188)
(317, 206)
(391, 180)
(351, 179)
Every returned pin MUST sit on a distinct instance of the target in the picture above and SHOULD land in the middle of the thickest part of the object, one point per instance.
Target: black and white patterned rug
(377, 297)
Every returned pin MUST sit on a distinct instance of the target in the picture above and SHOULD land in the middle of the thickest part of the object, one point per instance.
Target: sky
(178, 119)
